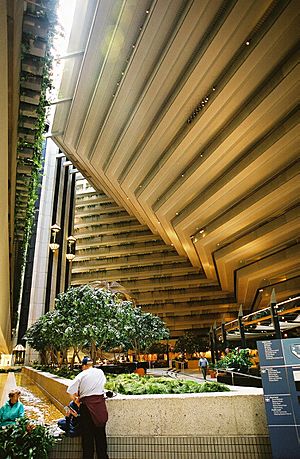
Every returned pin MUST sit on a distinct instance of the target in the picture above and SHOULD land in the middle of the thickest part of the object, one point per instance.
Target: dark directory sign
(280, 372)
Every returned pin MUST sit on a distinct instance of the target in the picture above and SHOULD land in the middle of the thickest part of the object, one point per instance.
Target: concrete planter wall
(223, 413)
(231, 415)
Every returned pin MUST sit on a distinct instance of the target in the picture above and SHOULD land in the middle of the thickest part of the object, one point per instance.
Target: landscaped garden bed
(135, 385)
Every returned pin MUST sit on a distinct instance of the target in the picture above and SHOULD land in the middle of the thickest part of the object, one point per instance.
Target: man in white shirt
(88, 386)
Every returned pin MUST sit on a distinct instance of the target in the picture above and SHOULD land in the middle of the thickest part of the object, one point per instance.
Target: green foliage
(93, 319)
(132, 384)
(25, 440)
(191, 342)
(46, 335)
(24, 221)
(157, 348)
(237, 358)
(142, 329)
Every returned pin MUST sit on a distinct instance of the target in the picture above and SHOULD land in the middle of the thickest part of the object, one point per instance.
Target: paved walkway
(187, 373)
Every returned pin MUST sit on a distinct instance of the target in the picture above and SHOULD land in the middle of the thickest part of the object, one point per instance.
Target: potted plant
(237, 362)
(212, 370)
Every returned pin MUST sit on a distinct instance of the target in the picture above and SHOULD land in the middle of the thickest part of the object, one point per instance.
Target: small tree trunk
(44, 359)
(65, 356)
(75, 353)
(93, 351)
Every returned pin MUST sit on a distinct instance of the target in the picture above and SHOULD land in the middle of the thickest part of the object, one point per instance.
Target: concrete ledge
(237, 413)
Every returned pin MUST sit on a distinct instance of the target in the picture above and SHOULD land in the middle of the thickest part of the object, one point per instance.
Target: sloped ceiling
(185, 113)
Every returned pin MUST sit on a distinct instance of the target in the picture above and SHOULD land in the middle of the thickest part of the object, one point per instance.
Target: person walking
(203, 364)
(88, 386)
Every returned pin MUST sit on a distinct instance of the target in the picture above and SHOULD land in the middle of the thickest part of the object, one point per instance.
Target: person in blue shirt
(70, 423)
(12, 410)
(203, 364)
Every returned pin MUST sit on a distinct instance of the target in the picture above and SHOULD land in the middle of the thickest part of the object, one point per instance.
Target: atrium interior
(172, 158)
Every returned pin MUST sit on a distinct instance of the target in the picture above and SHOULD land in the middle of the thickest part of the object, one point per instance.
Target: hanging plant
(36, 78)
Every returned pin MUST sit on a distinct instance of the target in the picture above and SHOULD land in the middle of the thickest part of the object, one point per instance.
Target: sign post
(280, 372)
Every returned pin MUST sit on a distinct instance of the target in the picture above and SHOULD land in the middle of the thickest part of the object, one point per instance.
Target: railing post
(215, 341)
(212, 347)
(275, 315)
(241, 328)
(224, 335)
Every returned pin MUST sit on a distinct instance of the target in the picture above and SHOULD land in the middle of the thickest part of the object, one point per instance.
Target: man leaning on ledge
(88, 387)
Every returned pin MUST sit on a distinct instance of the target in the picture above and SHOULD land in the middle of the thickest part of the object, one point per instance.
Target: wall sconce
(53, 244)
(71, 243)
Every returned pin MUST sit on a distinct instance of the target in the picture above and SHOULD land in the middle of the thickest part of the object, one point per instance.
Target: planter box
(37, 48)
(239, 380)
(33, 82)
(213, 414)
(193, 364)
(35, 25)
(172, 426)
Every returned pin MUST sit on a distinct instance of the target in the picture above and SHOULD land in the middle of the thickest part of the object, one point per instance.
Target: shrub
(134, 385)
(237, 358)
(25, 440)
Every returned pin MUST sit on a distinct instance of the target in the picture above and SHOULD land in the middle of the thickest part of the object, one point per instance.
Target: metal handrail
(226, 370)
